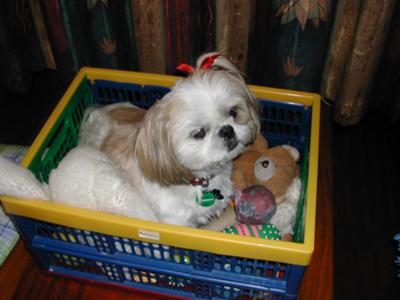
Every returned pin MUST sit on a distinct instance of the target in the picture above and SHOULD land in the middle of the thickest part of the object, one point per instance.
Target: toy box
(167, 259)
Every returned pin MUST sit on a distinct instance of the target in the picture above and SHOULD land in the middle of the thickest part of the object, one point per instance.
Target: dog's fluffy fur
(194, 131)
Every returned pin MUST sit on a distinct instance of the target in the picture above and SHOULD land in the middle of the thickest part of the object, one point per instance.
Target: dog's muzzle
(228, 134)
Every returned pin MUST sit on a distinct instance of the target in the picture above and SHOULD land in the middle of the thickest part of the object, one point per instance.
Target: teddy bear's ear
(293, 152)
(260, 144)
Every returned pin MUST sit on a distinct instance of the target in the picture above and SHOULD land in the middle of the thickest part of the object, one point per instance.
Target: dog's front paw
(202, 220)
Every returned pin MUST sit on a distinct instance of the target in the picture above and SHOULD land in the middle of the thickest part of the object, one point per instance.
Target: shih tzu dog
(178, 154)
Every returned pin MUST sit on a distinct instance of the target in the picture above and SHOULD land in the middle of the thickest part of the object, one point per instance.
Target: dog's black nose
(227, 132)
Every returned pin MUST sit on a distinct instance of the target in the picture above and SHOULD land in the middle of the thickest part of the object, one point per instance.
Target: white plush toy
(85, 178)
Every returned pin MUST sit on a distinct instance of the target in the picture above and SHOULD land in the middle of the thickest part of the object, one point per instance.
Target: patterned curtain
(332, 47)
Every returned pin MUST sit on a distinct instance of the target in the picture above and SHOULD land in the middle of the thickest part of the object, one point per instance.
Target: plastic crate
(160, 258)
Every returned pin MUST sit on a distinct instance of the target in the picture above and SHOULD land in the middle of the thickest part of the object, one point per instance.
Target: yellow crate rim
(178, 236)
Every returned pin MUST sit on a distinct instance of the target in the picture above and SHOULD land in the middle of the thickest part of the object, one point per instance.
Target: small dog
(179, 153)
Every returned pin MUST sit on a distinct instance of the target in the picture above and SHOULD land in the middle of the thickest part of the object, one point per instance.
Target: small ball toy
(254, 205)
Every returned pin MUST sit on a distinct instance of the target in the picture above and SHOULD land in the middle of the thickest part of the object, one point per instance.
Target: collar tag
(207, 199)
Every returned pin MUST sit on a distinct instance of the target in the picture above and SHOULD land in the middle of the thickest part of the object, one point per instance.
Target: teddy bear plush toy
(84, 178)
(277, 170)
(268, 189)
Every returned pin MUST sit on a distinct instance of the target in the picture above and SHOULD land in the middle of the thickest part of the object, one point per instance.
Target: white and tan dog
(178, 154)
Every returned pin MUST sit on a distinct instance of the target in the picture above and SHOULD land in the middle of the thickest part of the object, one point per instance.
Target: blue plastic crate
(154, 267)
(176, 271)
(108, 92)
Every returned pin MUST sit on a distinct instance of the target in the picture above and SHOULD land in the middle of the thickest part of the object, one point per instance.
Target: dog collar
(208, 197)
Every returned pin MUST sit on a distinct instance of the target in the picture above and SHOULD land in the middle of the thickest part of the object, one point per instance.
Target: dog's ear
(254, 111)
(154, 148)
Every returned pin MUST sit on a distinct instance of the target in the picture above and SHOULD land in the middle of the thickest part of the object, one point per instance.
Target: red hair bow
(205, 65)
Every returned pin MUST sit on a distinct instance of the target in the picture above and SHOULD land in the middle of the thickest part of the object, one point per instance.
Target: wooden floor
(358, 210)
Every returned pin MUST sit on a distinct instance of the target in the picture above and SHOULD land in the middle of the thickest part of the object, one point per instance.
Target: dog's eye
(233, 111)
(199, 134)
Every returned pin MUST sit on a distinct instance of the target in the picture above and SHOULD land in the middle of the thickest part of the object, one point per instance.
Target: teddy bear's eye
(265, 163)
(264, 168)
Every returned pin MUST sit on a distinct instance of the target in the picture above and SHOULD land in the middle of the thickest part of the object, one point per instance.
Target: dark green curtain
(90, 33)
(283, 43)
(299, 35)
(387, 84)
(20, 53)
